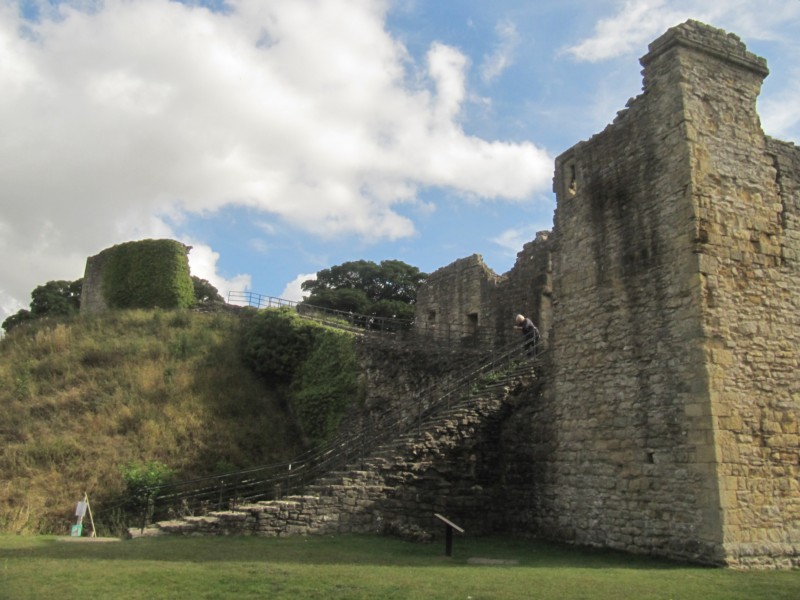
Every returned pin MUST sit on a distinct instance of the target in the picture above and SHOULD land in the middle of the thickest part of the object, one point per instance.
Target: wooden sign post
(80, 512)
(449, 527)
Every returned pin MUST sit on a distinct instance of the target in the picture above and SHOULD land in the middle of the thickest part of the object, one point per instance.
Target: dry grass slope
(81, 398)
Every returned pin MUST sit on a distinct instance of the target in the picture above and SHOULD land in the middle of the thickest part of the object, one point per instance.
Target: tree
(56, 298)
(53, 299)
(388, 289)
(206, 294)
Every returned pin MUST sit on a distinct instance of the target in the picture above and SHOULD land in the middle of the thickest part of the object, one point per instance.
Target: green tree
(56, 298)
(388, 289)
(22, 316)
(53, 299)
(206, 294)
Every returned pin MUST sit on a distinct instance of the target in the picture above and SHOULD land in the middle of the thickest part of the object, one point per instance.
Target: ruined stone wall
(467, 300)
(622, 468)
(456, 302)
(92, 299)
(526, 289)
(673, 407)
(670, 292)
(746, 198)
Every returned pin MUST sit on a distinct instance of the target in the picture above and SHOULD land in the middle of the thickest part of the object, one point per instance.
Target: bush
(141, 483)
(318, 366)
(276, 342)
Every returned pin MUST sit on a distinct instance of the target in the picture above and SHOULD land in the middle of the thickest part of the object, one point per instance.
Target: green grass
(82, 397)
(359, 567)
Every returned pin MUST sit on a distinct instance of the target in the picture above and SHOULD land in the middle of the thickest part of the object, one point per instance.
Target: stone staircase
(397, 488)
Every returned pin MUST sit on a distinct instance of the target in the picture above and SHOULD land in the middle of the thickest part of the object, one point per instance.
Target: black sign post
(448, 533)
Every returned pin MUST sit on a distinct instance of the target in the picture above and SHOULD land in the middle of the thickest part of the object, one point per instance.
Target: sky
(282, 137)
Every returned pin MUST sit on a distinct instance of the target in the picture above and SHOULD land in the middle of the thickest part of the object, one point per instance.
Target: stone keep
(670, 296)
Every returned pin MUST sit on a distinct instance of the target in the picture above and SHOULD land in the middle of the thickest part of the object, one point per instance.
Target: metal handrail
(443, 333)
(271, 481)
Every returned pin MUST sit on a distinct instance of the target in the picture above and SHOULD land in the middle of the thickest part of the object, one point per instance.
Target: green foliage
(141, 481)
(56, 298)
(345, 299)
(206, 294)
(387, 289)
(53, 299)
(277, 342)
(141, 478)
(21, 316)
(325, 386)
(317, 366)
(148, 274)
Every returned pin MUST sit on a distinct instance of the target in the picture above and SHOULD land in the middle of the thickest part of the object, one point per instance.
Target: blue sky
(281, 137)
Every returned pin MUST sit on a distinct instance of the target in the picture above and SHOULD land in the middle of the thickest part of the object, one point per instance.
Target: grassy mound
(82, 398)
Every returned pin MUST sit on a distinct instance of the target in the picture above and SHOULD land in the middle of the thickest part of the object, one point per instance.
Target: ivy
(147, 274)
(325, 386)
(317, 366)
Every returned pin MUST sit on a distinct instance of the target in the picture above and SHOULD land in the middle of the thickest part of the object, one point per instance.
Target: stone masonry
(670, 425)
(446, 465)
(468, 301)
(666, 416)
(670, 295)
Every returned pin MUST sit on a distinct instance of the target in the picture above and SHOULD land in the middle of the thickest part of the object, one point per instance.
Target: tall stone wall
(625, 469)
(746, 205)
(456, 302)
(92, 299)
(674, 399)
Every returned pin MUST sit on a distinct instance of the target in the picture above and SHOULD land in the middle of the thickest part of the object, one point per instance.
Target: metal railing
(328, 316)
(451, 334)
(228, 490)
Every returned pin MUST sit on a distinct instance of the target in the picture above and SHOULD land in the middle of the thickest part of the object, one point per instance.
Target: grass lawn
(359, 567)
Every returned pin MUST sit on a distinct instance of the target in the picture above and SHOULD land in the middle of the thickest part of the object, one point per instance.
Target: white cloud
(292, 291)
(128, 112)
(502, 57)
(203, 264)
(512, 240)
(638, 22)
(780, 116)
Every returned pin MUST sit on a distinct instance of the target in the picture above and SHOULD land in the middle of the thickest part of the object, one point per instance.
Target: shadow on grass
(331, 550)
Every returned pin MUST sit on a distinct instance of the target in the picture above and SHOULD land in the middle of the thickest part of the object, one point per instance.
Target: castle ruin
(669, 296)
(664, 415)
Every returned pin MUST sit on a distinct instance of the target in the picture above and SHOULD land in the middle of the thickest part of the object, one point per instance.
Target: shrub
(276, 342)
(141, 482)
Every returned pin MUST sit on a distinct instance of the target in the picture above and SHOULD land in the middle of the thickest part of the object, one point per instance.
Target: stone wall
(468, 302)
(667, 419)
(92, 299)
(672, 412)
(669, 294)
(155, 273)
